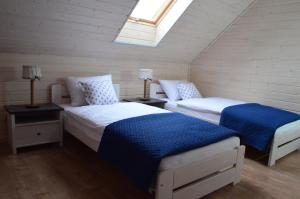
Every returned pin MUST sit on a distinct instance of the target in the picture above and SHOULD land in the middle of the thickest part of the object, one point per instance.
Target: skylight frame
(162, 12)
(150, 34)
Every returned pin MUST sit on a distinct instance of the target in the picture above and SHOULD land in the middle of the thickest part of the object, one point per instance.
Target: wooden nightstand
(151, 102)
(34, 126)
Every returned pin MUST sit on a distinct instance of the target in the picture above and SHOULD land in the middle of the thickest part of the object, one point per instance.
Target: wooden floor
(74, 171)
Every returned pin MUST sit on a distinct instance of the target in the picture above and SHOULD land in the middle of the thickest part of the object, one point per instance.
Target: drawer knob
(38, 134)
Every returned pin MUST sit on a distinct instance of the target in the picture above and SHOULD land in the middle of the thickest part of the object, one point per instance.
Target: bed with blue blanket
(257, 124)
(145, 140)
(174, 155)
(267, 129)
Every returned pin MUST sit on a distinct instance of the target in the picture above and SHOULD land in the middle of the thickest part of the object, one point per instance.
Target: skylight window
(150, 21)
(150, 11)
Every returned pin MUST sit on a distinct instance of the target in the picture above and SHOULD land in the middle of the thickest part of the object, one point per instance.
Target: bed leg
(271, 161)
(273, 152)
(239, 164)
(164, 185)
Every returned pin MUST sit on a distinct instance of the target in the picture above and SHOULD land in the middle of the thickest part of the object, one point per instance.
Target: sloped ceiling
(88, 27)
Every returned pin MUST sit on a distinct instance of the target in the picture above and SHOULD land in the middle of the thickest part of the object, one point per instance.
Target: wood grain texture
(88, 28)
(15, 90)
(74, 171)
(76, 28)
(257, 58)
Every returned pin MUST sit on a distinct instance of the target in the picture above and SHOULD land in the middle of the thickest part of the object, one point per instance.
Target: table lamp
(145, 74)
(33, 73)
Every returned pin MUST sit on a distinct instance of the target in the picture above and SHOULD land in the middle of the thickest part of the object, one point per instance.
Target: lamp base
(144, 99)
(32, 106)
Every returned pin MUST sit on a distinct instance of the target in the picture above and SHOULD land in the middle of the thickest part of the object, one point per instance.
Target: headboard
(60, 94)
(156, 91)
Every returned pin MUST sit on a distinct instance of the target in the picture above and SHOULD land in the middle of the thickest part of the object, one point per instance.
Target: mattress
(209, 104)
(87, 123)
(207, 116)
(92, 119)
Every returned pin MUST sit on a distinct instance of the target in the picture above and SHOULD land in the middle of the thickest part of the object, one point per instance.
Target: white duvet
(103, 115)
(208, 104)
(100, 116)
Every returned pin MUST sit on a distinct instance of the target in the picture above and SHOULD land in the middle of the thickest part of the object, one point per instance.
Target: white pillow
(188, 91)
(98, 92)
(75, 91)
(170, 88)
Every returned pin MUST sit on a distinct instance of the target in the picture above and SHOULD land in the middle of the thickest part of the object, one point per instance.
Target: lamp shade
(145, 74)
(31, 72)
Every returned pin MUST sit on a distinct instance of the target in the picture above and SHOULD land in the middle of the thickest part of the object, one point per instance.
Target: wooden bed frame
(278, 148)
(189, 181)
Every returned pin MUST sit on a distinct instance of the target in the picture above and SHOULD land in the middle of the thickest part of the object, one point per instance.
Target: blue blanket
(256, 123)
(137, 145)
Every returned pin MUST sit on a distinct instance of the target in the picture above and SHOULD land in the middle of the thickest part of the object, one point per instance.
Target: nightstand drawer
(37, 134)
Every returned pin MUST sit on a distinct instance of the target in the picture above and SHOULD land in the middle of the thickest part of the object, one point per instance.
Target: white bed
(286, 138)
(192, 174)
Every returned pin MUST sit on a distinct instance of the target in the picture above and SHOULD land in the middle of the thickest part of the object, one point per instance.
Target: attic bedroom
(160, 99)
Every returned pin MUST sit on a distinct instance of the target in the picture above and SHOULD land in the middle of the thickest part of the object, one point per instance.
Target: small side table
(151, 102)
(34, 126)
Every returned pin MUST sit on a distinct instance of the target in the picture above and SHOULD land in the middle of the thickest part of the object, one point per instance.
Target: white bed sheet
(207, 116)
(93, 119)
(208, 104)
(87, 123)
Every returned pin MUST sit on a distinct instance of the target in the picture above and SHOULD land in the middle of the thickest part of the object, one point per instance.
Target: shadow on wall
(8, 77)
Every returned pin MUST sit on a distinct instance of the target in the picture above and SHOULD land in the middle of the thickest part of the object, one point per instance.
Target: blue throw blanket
(137, 145)
(256, 123)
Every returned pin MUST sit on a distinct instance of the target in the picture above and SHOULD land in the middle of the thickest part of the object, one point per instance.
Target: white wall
(256, 59)
(15, 90)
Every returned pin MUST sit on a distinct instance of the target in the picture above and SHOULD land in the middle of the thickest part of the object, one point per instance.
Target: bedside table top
(150, 101)
(13, 109)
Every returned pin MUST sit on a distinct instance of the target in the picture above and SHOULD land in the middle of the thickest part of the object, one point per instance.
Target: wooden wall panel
(15, 90)
(87, 28)
(61, 31)
(257, 58)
